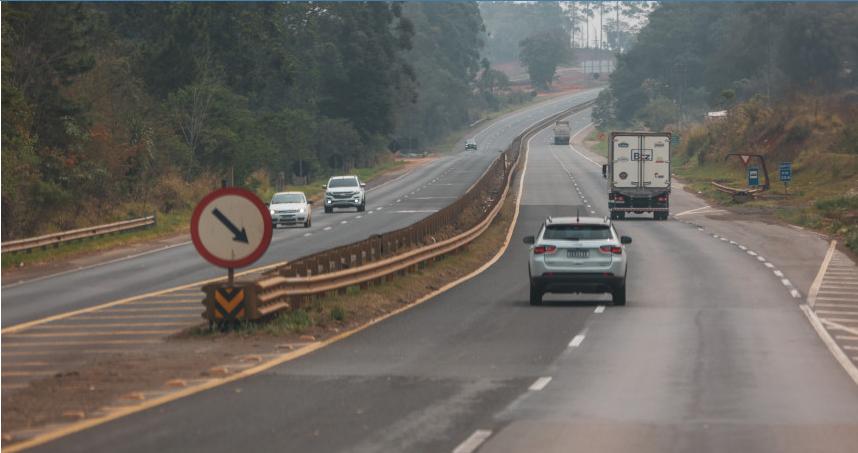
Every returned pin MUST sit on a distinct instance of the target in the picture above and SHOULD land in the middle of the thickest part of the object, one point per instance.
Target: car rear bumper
(577, 283)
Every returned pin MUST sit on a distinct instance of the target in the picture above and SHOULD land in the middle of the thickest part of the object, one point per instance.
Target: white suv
(344, 192)
(577, 255)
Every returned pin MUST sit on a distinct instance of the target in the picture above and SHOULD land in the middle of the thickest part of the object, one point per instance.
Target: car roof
(471, 140)
(288, 193)
(578, 220)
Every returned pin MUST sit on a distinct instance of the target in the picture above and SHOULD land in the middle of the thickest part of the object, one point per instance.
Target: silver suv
(577, 255)
(344, 192)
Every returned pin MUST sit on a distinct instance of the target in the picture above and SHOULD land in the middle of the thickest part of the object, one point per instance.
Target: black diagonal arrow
(240, 236)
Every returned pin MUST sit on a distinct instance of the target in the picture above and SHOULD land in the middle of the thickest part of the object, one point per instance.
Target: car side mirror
(363, 184)
(324, 186)
(529, 240)
(625, 240)
(267, 205)
(605, 171)
(309, 201)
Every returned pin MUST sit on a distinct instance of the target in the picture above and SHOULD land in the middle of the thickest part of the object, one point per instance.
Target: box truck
(638, 174)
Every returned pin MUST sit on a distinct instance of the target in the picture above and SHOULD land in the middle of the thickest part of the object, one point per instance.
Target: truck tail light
(544, 249)
(615, 249)
(618, 198)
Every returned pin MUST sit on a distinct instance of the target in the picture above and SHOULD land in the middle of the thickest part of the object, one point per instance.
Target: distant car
(344, 192)
(470, 144)
(290, 208)
(577, 255)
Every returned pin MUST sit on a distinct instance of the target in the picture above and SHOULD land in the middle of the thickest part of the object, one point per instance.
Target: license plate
(577, 253)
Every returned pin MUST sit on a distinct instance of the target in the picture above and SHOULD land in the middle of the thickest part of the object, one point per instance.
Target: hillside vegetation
(818, 135)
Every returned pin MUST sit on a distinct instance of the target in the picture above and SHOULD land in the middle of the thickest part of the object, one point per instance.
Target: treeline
(694, 57)
(112, 109)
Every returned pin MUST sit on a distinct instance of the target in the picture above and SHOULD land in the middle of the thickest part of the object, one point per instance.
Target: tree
(605, 112)
(542, 52)
(447, 40)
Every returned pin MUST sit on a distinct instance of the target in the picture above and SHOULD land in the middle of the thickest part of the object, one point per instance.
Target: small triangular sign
(745, 159)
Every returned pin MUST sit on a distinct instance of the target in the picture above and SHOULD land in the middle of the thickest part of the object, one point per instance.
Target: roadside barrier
(57, 238)
(378, 258)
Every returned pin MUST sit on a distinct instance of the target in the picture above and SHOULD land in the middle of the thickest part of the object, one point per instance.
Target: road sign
(745, 159)
(231, 227)
(753, 176)
(786, 171)
(674, 139)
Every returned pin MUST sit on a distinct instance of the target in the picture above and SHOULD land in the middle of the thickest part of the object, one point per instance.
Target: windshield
(577, 232)
(345, 182)
(287, 198)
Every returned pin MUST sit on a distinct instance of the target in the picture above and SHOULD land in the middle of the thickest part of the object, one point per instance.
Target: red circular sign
(231, 227)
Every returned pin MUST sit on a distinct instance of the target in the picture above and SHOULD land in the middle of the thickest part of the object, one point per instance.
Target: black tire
(535, 295)
(619, 295)
(362, 207)
(328, 210)
(273, 226)
(308, 223)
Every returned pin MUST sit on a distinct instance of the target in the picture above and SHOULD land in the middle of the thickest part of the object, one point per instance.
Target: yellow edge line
(84, 425)
(37, 322)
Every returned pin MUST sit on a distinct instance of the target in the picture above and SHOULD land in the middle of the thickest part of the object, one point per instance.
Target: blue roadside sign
(786, 171)
(753, 176)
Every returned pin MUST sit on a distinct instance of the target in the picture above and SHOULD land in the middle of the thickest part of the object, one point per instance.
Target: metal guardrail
(82, 233)
(379, 257)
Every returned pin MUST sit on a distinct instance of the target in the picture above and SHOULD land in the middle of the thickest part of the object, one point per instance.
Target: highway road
(391, 207)
(712, 353)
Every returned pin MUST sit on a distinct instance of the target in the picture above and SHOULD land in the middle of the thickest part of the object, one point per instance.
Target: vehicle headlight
(272, 212)
(301, 210)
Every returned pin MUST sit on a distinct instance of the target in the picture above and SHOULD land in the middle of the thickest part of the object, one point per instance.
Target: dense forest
(111, 109)
(695, 57)
(114, 109)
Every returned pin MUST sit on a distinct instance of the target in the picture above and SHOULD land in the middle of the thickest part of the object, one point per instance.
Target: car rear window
(577, 232)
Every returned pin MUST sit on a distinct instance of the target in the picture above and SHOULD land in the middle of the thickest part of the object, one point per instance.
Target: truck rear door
(626, 162)
(655, 166)
(641, 160)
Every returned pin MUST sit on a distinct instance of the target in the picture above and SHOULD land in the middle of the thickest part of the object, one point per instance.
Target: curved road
(396, 205)
(711, 353)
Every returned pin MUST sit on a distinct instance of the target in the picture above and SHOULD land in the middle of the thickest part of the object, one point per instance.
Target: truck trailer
(638, 174)
(562, 131)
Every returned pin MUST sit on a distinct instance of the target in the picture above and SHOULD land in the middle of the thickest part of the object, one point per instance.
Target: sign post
(786, 174)
(753, 176)
(230, 227)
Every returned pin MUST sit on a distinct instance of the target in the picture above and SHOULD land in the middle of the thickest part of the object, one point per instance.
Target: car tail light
(618, 198)
(544, 249)
(615, 249)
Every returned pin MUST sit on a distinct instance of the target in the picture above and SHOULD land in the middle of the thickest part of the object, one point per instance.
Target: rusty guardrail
(82, 233)
(378, 258)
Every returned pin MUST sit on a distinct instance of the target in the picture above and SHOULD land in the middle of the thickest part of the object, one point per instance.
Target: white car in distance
(290, 208)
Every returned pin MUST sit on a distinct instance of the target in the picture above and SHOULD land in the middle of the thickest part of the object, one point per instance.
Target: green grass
(167, 224)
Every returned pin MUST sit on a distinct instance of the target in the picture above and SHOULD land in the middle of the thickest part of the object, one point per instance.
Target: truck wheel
(535, 295)
(619, 295)
(328, 210)
(362, 207)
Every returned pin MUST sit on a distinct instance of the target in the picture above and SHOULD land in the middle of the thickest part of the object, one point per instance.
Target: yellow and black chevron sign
(229, 303)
